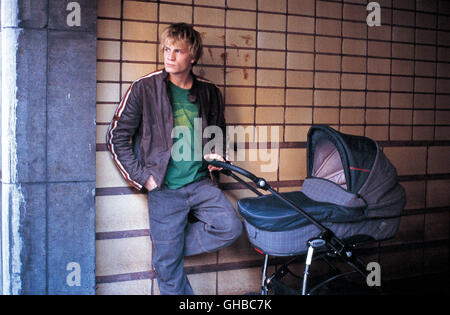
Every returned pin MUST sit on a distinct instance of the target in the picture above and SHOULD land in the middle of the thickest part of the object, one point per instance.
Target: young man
(152, 107)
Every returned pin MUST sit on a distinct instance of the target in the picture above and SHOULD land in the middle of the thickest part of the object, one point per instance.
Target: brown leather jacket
(139, 136)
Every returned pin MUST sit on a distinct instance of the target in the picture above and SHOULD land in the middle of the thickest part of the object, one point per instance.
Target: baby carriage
(351, 196)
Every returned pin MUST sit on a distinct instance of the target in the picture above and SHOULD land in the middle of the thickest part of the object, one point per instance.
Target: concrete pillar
(48, 147)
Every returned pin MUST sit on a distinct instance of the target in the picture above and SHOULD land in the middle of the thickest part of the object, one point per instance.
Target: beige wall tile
(240, 57)
(271, 22)
(250, 4)
(403, 100)
(240, 76)
(236, 115)
(108, 71)
(326, 116)
(121, 213)
(175, 13)
(401, 117)
(138, 10)
(108, 92)
(377, 133)
(353, 81)
(272, 59)
(300, 42)
(126, 255)
(212, 35)
(135, 287)
(105, 112)
(354, 46)
(415, 194)
(328, 27)
(139, 31)
(400, 133)
(416, 157)
(326, 98)
(328, 9)
(239, 38)
(354, 99)
(353, 130)
(300, 61)
(328, 44)
(300, 24)
(296, 133)
(239, 95)
(269, 115)
(352, 116)
(108, 29)
(242, 19)
(292, 164)
(299, 97)
(133, 71)
(306, 7)
(437, 193)
(438, 160)
(298, 115)
(327, 80)
(328, 62)
(139, 51)
(108, 50)
(421, 133)
(101, 131)
(270, 78)
(303, 79)
(271, 40)
(107, 174)
(272, 5)
(209, 16)
(269, 96)
(109, 8)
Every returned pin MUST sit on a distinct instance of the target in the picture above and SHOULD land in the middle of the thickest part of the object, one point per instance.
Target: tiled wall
(288, 63)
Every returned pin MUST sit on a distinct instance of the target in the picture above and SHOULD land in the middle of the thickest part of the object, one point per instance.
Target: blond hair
(184, 32)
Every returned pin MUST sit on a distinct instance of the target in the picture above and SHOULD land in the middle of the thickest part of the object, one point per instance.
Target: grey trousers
(173, 237)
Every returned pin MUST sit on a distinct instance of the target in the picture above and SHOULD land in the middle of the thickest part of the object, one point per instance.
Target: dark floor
(433, 284)
(437, 284)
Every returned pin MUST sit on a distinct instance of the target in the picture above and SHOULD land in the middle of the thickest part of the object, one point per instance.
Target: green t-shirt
(182, 168)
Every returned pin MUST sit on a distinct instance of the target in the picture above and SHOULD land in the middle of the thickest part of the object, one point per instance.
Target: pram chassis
(326, 239)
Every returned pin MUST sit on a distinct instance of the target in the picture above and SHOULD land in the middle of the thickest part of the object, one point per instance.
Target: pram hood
(352, 171)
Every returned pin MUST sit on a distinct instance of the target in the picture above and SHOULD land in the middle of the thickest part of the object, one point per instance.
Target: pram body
(351, 195)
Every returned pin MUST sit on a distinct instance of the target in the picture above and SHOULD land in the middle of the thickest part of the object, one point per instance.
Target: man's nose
(171, 55)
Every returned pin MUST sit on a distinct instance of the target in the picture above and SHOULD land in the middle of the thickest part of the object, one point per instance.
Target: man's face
(177, 58)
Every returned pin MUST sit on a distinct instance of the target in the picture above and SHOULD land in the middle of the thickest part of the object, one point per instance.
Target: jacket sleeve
(123, 127)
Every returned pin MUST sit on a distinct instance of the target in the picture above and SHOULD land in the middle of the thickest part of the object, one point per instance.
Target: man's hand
(213, 156)
(150, 184)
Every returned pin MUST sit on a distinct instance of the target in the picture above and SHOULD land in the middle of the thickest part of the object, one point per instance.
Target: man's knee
(235, 227)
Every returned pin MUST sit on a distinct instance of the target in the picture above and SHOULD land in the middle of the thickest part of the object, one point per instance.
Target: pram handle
(260, 182)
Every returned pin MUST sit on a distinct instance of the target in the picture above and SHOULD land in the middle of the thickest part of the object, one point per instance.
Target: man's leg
(168, 212)
(218, 224)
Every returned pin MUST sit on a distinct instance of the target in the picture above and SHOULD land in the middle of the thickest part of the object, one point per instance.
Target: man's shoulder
(206, 83)
(150, 77)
